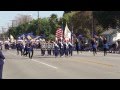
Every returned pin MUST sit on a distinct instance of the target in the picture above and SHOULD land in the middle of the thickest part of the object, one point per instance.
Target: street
(82, 66)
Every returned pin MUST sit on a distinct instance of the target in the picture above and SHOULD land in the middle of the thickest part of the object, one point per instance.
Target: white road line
(40, 62)
(44, 63)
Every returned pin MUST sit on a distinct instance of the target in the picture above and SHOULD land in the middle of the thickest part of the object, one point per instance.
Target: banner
(67, 33)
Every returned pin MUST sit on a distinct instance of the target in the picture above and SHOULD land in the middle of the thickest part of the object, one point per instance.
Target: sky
(7, 16)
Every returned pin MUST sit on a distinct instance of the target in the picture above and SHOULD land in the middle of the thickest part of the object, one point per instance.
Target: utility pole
(12, 26)
(38, 24)
(92, 24)
(72, 34)
(3, 34)
(63, 30)
(38, 14)
(13, 22)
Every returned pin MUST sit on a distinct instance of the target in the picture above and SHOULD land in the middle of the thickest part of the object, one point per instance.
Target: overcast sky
(7, 16)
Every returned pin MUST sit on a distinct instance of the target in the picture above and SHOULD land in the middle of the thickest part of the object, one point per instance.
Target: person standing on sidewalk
(1, 63)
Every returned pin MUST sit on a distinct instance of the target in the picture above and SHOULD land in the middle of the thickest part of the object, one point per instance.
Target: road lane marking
(110, 65)
(44, 63)
(39, 62)
(88, 61)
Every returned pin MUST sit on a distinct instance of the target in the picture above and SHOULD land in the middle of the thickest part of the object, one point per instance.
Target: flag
(8, 39)
(59, 34)
(29, 37)
(11, 38)
(22, 37)
(67, 33)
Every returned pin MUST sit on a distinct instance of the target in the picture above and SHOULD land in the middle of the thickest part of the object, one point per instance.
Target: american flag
(59, 33)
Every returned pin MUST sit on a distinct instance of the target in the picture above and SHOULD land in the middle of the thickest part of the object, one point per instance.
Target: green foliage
(45, 26)
(51, 37)
(53, 20)
(81, 22)
(107, 18)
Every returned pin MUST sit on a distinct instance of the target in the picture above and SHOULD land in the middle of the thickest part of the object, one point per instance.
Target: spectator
(1, 63)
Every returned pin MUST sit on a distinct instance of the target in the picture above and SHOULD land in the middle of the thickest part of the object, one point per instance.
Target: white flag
(67, 33)
(11, 38)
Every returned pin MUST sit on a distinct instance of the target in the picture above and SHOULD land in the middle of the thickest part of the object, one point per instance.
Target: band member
(81, 46)
(7, 46)
(31, 51)
(61, 47)
(77, 45)
(49, 47)
(43, 48)
(105, 46)
(70, 48)
(56, 49)
(53, 50)
(28, 48)
(18, 48)
(66, 48)
(94, 46)
(25, 49)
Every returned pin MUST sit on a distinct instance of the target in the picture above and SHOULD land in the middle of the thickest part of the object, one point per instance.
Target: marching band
(51, 48)
(55, 48)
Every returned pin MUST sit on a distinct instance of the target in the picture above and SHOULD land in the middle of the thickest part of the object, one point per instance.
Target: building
(112, 35)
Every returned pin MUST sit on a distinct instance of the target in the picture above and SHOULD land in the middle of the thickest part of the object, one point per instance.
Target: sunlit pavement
(82, 66)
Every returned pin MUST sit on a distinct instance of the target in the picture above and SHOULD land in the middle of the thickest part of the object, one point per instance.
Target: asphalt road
(82, 66)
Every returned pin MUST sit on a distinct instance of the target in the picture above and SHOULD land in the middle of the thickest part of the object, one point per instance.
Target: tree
(107, 18)
(45, 26)
(82, 23)
(53, 20)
